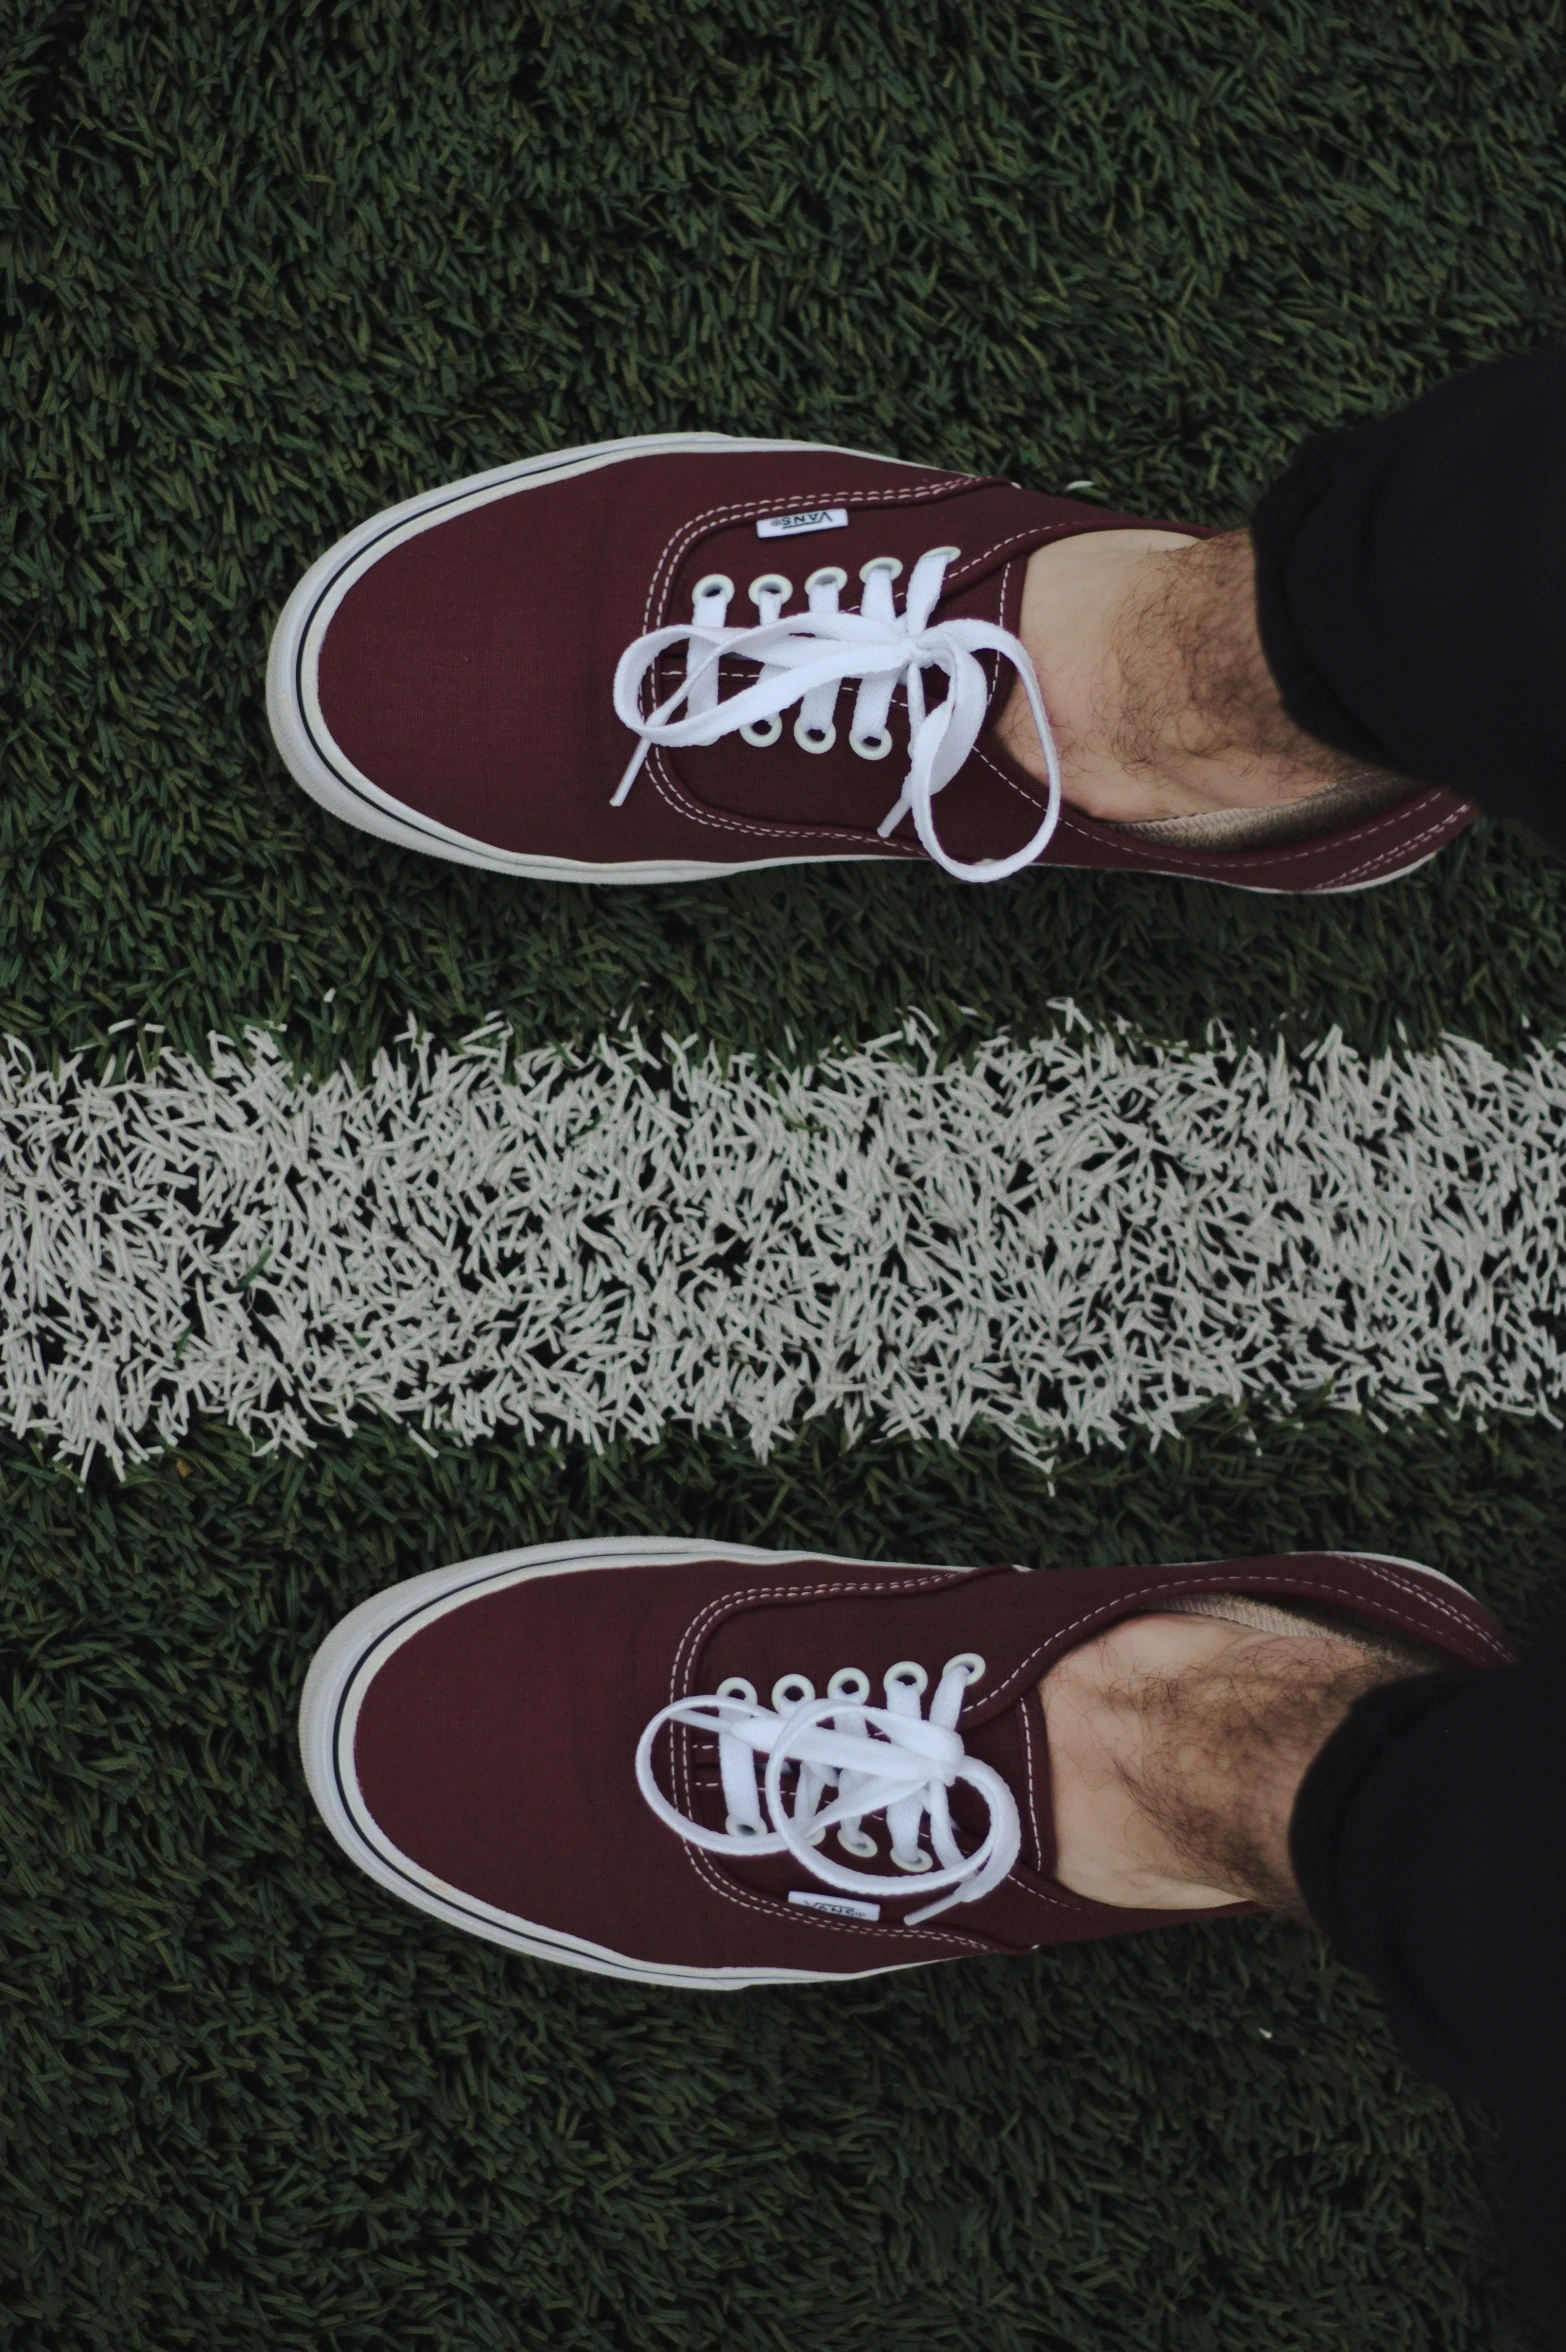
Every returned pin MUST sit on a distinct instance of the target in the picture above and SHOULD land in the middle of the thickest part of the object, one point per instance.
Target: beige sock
(1299, 1618)
(1343, 803)
(1239, 1609)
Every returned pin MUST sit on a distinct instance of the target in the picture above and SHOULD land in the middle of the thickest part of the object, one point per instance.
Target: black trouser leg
(1411, 589)
(1429, 1841)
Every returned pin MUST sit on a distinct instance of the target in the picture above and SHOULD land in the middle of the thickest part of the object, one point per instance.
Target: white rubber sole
(356, 1648)
(319, 764)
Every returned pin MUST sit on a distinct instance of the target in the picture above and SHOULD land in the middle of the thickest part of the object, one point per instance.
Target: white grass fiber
(1069, 1238)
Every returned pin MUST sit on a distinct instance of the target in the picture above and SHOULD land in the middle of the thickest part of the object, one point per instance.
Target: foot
(701, 1765)
(1159, 695)
(680, 657)
(1177, 1748)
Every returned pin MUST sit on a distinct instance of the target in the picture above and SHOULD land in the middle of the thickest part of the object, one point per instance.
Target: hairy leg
(1177, 1747)
(1154, 679)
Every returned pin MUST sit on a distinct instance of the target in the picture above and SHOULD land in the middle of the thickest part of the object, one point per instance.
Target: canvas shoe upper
(713, 1766)
(681, 656)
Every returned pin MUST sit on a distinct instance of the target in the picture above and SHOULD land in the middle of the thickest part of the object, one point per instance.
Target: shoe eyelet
(849, 1682)
(769, 584)
(827, 576)
(741, 1829)
(872, 746)
(967, 1663)
(858, 1843)
(713, 584)
(761, 732)
(908, 1674)
(881, 563)
(814, 738)
(736, 1687)
(913, 1862)
(792, 1690)
(950, 553)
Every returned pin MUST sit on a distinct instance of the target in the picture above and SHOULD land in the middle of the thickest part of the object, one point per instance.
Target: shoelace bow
(806, 657)
(887, 1760)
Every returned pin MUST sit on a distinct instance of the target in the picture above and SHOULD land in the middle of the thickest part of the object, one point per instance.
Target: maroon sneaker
(698, 1764)
(589, 667)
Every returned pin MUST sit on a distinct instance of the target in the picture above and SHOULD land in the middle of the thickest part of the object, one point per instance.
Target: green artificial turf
(268, 267)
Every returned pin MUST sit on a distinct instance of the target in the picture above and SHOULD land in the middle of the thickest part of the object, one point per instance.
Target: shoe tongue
(819, 1616)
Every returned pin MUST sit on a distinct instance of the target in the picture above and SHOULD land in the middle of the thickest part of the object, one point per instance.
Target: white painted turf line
(1070, 1239)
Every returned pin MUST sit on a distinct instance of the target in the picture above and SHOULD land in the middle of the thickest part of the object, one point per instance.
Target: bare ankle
(1177, 1748)
(1231, 1745)
(1154, 678)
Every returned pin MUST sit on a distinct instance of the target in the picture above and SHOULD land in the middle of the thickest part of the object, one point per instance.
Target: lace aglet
(622, 789)
(894, 817)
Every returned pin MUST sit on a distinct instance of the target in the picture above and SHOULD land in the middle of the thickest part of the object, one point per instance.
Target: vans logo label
(817, 518)
(843, 1905)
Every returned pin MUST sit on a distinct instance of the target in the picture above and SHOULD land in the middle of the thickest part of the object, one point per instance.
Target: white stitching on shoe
(1040, 1896)
(1218, 864)
(738, 510)
(1022, 790)
(1398, 855)
(729, 1603)
(1031, 1772)
(1421, 1593)
(1038, 1893)
(773, 1909)
(1015, 541)
(669, 789)
(1222, 863)
(1403, 1585)
(935, 1580)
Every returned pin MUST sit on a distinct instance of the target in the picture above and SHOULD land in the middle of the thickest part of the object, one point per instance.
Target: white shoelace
(806, 657)
(887, 1760)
